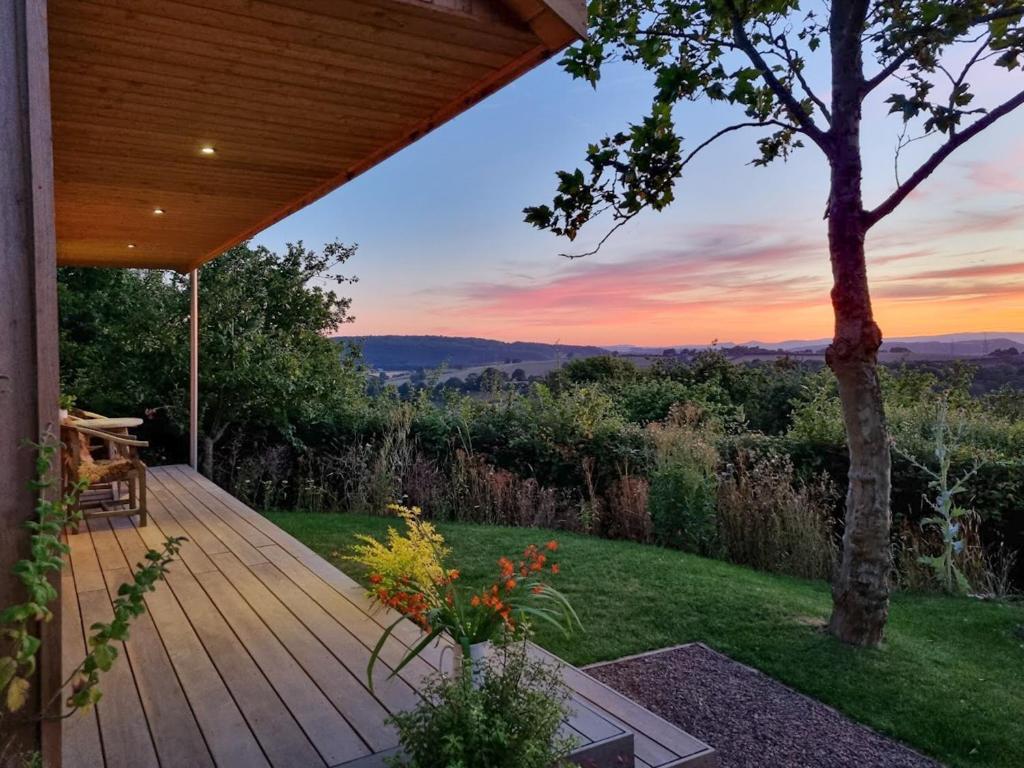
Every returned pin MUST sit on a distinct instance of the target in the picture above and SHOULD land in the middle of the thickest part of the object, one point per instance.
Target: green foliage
(574, 451)
(681, 501)
(267, 366)
(632, 598)
(650, 398)
(771, 520)
(603, 368)
(35, 573)
(511, 721)
(126, 327)
(18, 622)
(754, 57)
(265, 360)
(947, 518)
(682, 508)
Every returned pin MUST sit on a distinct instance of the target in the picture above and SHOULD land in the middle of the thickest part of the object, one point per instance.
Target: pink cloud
(973, 270)
(721, 269)
(1003, 175)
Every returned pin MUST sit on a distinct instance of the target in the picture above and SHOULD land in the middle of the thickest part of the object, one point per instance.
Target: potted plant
(511, 718)
(408, 574)
(67, 402)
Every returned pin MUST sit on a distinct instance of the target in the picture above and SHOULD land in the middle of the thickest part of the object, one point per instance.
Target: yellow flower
(416, 556)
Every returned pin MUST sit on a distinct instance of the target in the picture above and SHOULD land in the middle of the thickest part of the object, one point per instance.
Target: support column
(29, 373)
(193, 371)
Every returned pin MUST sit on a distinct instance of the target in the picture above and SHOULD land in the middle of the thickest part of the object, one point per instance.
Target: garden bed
(752, 720)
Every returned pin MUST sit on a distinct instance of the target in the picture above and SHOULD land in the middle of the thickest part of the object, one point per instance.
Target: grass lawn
(949, 680)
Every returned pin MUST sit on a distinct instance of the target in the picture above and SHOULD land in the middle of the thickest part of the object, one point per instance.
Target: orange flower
(475, 601)
(554, 568)
(453, 574)
(375, 578)
(510, 584)
(552, 545)
(507, 569)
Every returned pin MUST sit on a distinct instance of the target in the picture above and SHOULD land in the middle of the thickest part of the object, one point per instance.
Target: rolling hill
(403, 353)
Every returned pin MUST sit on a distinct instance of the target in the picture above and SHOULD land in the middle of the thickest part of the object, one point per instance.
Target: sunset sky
(740, 255)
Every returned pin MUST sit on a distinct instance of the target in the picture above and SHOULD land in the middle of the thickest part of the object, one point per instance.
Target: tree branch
(963, 76)
(928, 167)
(887, 71)
(685, 161)
(798, 71)
(891, 68)
(804, 121)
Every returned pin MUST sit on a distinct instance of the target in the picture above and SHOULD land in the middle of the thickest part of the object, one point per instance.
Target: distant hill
(947, 345)
(403, 353)
(953, 344)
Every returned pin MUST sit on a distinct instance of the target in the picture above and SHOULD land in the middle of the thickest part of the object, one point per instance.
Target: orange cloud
(738, 284)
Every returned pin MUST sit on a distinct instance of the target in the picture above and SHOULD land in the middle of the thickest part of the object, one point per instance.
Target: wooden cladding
(295, 96)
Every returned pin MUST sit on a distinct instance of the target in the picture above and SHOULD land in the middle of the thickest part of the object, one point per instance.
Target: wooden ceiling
(295, 97)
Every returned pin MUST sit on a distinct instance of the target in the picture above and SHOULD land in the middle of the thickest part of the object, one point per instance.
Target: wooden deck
(254, 652)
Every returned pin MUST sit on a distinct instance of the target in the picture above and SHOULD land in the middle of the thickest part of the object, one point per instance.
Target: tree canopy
(922, 55)
(264, 356)
(754, 55)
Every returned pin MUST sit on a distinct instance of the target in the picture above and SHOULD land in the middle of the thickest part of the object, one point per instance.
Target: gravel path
(752, 720)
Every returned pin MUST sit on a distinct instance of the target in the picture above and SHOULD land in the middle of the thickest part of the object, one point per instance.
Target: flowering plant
(408, 574)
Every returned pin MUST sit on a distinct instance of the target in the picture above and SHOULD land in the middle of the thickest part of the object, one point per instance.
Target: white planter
(478, 653)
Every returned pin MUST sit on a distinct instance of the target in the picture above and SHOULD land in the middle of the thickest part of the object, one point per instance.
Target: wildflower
(507, 569)
(475, 601)
(552, 545)
(510, 584)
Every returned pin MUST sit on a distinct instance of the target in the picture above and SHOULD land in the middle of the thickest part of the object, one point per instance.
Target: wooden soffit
(294, 97)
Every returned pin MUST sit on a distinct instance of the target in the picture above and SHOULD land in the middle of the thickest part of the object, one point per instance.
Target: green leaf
(105, 655)
(8, 668)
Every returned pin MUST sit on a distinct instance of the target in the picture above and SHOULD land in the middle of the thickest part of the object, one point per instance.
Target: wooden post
(29, 374)
(193, 371)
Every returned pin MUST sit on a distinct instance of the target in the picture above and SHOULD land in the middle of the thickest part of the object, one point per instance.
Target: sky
(740, 255)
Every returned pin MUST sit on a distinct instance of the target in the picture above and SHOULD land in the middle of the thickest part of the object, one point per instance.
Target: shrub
(769, 520)
(626, 513)
(511, 721)
(682, 508)
(682, 487)
(481, 493)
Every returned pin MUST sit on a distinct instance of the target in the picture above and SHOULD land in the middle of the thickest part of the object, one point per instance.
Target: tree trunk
(207, 465)
(860, 589)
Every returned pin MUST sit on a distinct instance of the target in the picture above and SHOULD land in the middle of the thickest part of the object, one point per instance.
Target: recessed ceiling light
(208, 150)
(131, 245)
(158, 211)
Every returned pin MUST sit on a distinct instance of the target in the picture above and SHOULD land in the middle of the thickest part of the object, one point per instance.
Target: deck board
(80, 745)
(254, 652)
(227, 734)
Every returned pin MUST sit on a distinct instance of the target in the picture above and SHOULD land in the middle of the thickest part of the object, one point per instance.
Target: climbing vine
(129, 604)
(46, 558)
(47, 552)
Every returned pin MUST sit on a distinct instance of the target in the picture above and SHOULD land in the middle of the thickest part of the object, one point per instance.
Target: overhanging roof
(294, 97)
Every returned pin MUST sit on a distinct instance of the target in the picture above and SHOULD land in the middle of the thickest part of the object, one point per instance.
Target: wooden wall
(28, 293)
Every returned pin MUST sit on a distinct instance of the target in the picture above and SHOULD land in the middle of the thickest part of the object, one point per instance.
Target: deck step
(613, 752)
(657, 742)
